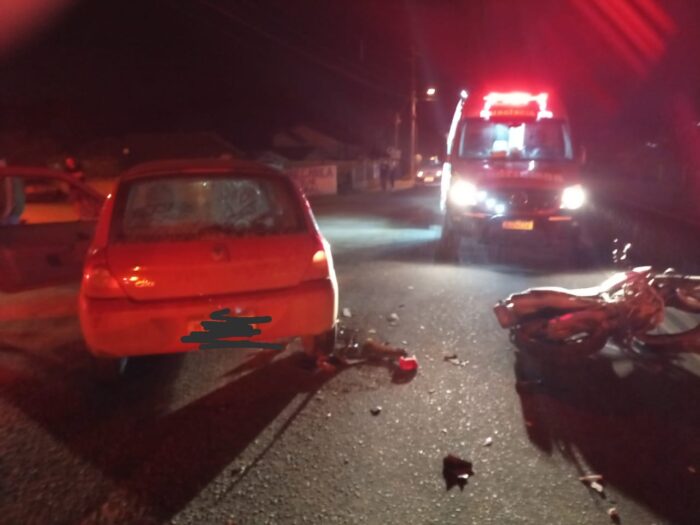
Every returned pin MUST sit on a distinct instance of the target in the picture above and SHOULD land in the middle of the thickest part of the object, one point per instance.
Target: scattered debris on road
(375, 411)
(597, 487)
(591, 477)
(595, 482)
(393, 318)
(374, 350)
(614, 515)
(692, 469)
(488, 441)
(454, 360)
(371, 331)
(456, 471)
(327, 365)
(347, 313)
(350, 353)
(408, 364)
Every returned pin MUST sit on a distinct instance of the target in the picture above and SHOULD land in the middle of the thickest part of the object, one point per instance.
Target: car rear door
(44, 238)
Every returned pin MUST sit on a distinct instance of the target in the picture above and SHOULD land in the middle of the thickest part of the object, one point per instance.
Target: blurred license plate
(195, 325)
(429, 179)
(518, 225)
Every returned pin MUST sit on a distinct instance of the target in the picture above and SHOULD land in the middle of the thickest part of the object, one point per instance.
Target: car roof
(196, 167)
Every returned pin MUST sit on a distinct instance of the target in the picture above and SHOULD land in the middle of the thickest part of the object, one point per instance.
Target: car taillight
(321, 262)
(98, 281)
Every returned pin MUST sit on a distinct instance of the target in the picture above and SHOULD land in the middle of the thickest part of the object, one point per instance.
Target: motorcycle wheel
(687, 297)
(687, 341)
(527, 339)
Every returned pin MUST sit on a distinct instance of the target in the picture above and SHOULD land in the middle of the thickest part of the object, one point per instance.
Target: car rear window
(198, 207)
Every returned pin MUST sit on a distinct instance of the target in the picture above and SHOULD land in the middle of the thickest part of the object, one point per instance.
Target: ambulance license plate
(518, 225)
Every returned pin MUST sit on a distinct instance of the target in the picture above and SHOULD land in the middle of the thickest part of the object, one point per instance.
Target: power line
(282, 10)
(298, 51)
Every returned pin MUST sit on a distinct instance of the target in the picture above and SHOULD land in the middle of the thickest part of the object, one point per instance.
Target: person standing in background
(384, 174)
(72, 166)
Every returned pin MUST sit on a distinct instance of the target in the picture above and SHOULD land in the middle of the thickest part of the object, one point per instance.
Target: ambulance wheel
(448, 245)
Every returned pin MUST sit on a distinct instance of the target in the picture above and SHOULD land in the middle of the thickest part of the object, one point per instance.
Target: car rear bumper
(485, 228)
(124, 327)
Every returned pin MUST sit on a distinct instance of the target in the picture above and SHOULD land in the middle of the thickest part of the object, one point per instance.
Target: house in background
(319, 162)
(144, 147)
(306, 143)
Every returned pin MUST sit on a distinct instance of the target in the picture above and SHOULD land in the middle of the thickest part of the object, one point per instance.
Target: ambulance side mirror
(582, 155)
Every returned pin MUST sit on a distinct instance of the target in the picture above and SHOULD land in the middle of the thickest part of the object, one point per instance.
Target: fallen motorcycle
(625, 309)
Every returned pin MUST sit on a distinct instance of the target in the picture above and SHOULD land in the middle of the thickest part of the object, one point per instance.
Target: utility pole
(414, 101)
(397, 123)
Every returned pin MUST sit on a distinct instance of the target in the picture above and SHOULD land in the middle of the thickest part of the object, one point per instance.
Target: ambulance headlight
(463, 193)
(573, 197)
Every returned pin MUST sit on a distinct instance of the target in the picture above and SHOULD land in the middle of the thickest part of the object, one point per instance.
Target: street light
(430, 95)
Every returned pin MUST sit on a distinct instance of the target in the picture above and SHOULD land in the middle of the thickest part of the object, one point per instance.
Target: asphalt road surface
(231, 437)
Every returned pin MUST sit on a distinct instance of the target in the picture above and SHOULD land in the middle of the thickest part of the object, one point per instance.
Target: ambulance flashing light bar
(515, 104)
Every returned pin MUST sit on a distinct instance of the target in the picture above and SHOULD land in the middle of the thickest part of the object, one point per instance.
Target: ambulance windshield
(546, 139)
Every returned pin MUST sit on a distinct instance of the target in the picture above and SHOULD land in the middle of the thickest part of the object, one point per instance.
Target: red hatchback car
(179, 240)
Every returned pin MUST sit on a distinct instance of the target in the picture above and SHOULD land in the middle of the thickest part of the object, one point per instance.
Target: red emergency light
(516, 104)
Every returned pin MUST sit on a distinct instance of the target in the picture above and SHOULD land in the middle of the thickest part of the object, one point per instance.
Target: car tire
(110, 370)
(448, 246)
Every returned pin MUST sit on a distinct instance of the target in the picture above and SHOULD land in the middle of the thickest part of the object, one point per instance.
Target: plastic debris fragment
(456, 471)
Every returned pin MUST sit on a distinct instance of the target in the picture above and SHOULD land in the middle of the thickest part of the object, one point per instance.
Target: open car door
(47, 220)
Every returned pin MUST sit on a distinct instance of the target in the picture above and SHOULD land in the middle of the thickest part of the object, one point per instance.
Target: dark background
(246, 68)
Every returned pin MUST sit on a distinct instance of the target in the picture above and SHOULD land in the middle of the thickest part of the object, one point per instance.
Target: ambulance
(511, 172)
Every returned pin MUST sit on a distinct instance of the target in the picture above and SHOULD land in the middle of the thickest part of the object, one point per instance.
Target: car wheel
(110, 370)
(448, 246)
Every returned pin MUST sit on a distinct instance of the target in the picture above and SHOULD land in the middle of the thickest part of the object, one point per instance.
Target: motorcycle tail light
(504, 315)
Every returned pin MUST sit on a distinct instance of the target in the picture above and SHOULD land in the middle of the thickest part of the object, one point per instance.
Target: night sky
(245, 68)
